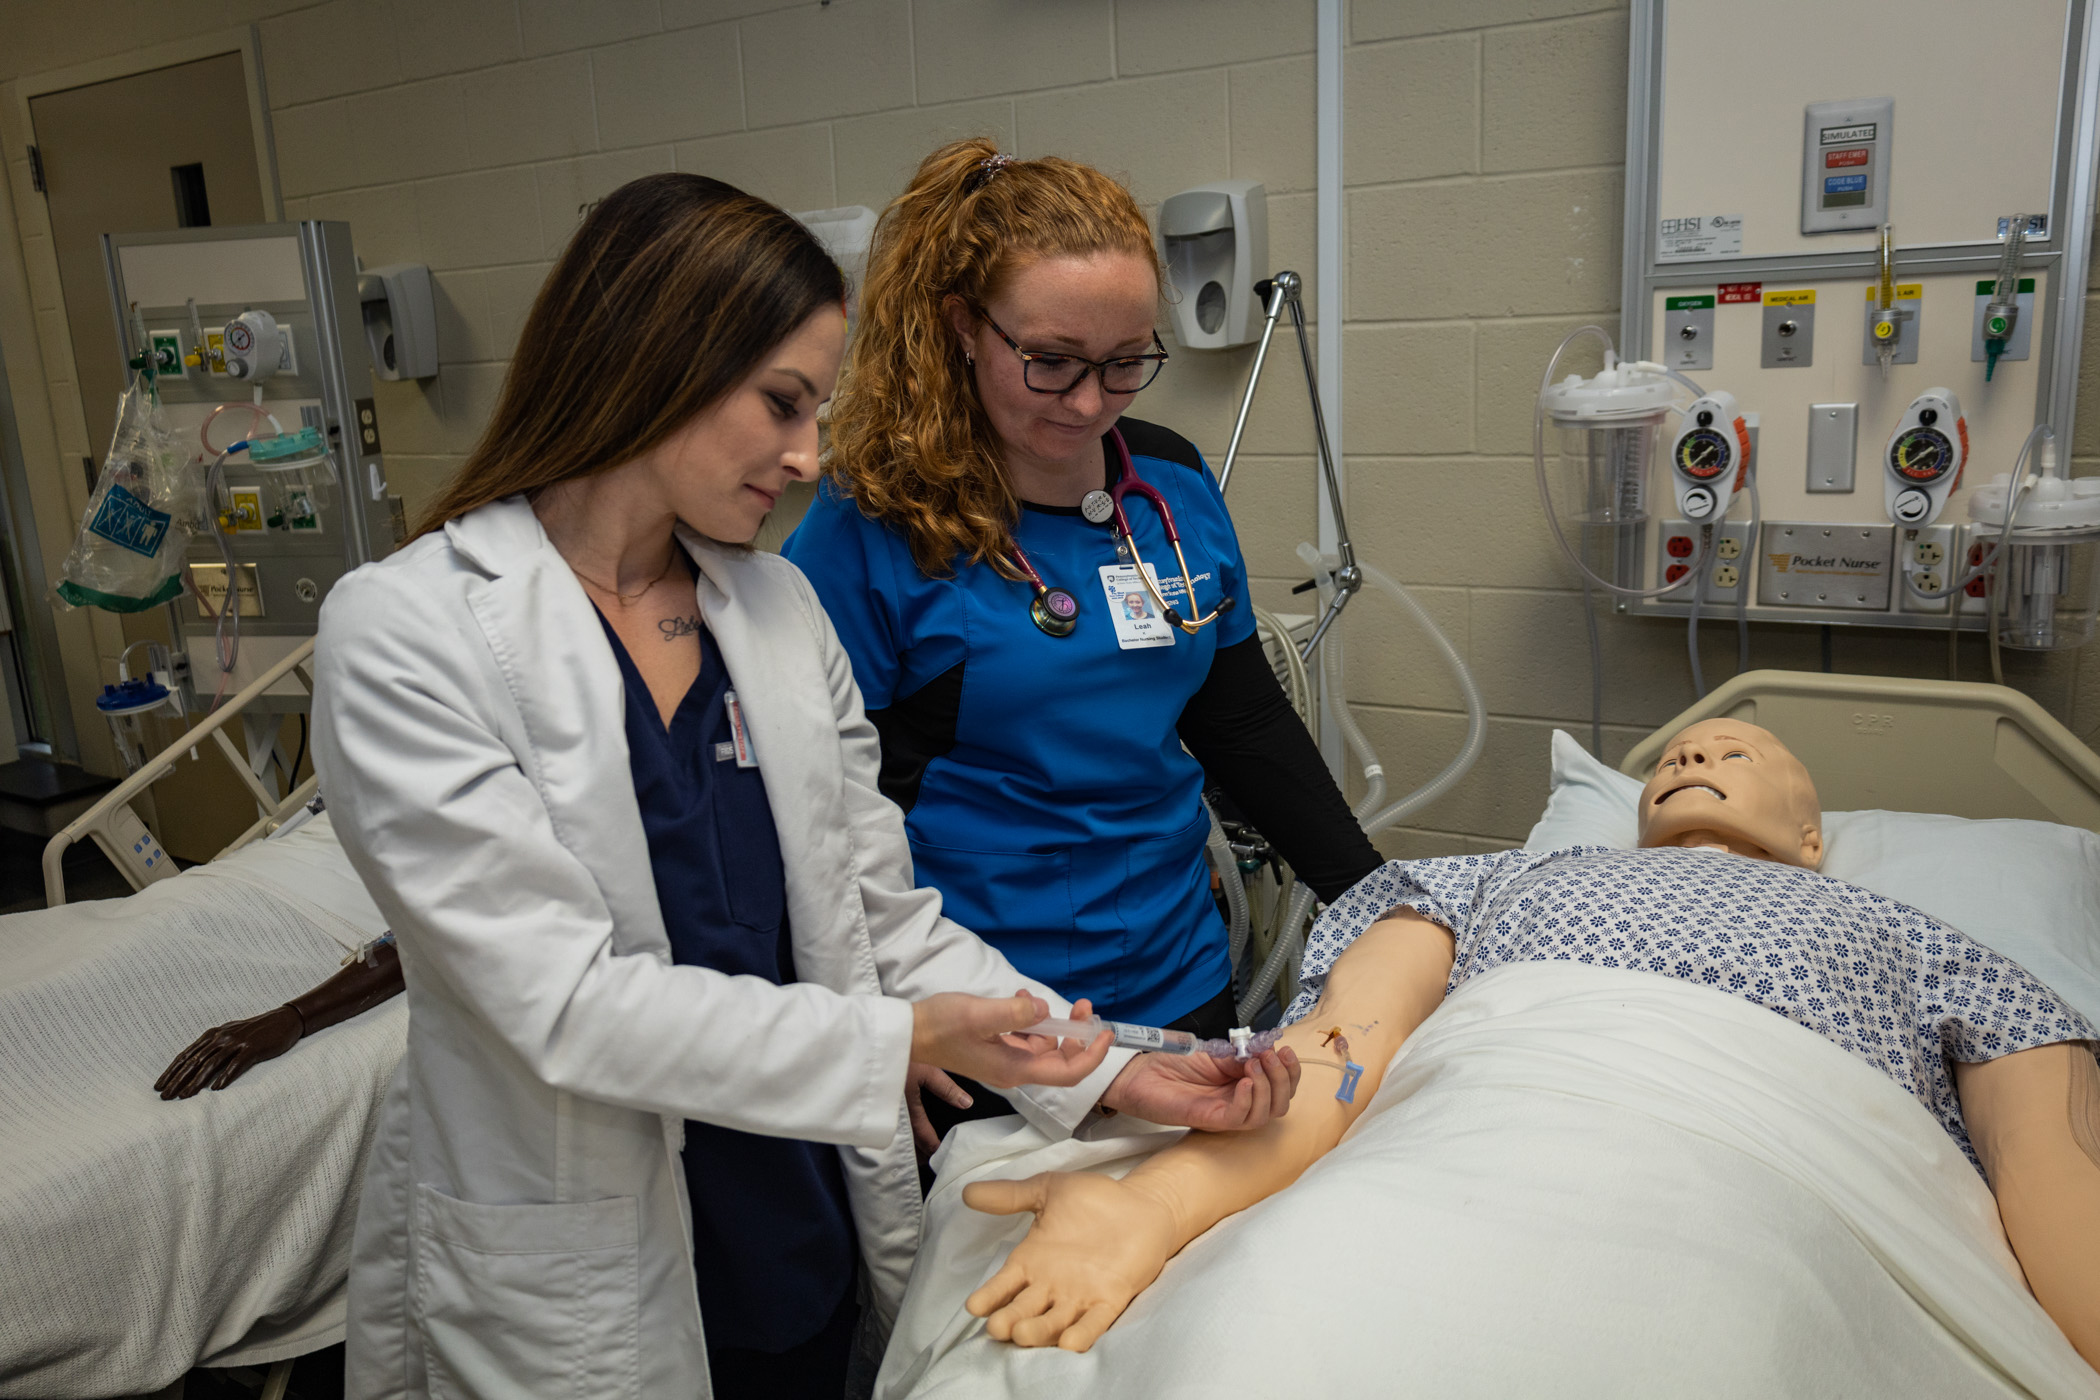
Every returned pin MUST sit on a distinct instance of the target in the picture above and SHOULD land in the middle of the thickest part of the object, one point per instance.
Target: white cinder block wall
(1484, 164)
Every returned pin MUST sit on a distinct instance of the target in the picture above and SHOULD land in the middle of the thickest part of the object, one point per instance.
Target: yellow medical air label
(1807, 298)
(1905, 291)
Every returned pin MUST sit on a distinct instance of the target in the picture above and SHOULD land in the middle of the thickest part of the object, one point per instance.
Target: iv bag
(128, 555)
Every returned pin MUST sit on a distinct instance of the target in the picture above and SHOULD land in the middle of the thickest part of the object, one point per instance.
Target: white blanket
(139, 1238)
(1573, 1182)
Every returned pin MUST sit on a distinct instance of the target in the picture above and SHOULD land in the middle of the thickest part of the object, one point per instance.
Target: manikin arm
(225, 1053)
(2035, 1119)
(1097, 1242)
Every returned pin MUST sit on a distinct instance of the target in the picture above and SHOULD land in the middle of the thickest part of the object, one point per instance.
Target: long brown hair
(667, 297)
(910, 442)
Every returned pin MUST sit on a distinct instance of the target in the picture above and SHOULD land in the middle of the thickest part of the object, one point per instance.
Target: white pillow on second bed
(2029, 890)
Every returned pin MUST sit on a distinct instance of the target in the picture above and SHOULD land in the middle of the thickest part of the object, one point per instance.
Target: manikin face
(1098, 307)
(1726, 783)
(722, 472)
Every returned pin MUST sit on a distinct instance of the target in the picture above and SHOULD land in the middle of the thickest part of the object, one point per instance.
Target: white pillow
(2029, 890)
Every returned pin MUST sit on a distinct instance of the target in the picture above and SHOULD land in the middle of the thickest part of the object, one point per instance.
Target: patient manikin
(2022, 1094)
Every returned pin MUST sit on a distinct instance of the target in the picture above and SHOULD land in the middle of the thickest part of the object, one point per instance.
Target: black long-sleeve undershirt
(1242, 729)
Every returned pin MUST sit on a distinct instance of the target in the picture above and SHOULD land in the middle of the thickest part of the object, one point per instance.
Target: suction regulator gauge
(1922, 455)
(1703, 454)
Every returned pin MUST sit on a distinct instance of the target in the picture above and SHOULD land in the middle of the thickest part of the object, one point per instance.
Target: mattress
(144, 1237)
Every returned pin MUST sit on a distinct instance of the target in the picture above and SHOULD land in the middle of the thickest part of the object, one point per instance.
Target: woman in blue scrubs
(1034, 697)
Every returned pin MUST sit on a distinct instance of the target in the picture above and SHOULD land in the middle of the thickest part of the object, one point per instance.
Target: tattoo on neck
(2085, 1100)
(675, 627)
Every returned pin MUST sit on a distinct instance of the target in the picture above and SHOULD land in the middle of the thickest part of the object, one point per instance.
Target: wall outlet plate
(1789, 331)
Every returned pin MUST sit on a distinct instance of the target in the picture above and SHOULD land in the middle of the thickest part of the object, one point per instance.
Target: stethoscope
(1056, 611)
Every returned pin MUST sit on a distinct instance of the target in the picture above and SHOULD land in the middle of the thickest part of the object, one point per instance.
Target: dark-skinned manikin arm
(225, 1053)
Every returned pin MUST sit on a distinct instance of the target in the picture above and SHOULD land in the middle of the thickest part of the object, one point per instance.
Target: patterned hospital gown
(1894, 986)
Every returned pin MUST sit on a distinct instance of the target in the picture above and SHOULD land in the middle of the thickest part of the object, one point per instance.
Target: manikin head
(1728, 783)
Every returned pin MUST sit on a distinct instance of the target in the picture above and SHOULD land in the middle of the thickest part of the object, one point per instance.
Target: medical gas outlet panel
(1884, 263)
(256, 335)
(1877, 416)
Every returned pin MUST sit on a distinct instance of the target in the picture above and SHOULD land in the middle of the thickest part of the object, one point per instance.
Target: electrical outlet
(1923, 554)
(1729, 548)
(1726, 575)
(1728, 561)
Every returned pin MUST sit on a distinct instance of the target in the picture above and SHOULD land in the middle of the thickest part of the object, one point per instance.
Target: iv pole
(1277, 292)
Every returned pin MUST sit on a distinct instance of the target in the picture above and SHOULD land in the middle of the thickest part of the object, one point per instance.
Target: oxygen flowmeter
(1924, 458)
(2001, 315)
(1710, 457)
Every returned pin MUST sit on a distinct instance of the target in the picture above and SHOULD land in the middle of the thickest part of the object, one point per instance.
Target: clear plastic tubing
(1128, 1036)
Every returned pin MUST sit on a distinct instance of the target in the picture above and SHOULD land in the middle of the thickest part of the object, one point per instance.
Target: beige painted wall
(1484, 172)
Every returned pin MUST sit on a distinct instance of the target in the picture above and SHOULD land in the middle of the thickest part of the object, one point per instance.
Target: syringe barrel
(1128, 1036)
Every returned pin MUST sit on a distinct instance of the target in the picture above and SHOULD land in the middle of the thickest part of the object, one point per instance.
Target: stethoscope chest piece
(1096, 507)
(1055, 611)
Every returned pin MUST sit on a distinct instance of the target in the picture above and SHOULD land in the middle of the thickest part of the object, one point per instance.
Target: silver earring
(969, 359)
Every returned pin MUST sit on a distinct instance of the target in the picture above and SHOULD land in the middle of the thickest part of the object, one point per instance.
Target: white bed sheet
(139, 1238)
(1574, 1181)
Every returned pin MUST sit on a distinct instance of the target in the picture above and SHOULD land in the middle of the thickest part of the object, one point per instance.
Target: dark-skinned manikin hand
(225, 1053)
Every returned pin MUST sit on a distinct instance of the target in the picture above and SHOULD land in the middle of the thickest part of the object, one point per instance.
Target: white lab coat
(524, 1228)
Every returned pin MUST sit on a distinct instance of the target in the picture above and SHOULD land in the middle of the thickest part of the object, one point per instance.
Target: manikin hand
(225, 1053)
(1196, 1091)
(1096, 1244)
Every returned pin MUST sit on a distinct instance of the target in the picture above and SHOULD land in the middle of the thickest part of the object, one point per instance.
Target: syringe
(1242, 1044)
(1128, 1036)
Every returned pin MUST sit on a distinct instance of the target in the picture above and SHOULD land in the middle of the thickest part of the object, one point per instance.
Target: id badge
(1131, 609)
(738, 734)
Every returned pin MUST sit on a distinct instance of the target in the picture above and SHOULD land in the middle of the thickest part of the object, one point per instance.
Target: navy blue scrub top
(1047, 795)
(773, 1240)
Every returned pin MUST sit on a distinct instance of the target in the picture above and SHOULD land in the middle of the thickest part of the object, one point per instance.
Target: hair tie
(986, 169)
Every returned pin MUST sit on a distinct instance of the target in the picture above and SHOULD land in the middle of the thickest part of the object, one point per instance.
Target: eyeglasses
(1049, 372)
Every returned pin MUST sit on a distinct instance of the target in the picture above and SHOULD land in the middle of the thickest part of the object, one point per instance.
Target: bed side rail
(113, 825)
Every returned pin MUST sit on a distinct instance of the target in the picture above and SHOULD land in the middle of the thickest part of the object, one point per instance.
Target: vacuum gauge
(1924, 458)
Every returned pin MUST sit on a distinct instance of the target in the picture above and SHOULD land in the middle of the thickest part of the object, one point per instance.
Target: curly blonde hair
(910, 442)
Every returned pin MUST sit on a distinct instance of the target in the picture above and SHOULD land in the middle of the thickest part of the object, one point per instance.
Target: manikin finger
(200, 1072)
(1033, 1301)
(1006, 1197)
(998, 1290)
(1045, 1330)
(235, 1066)
(192, 1055)
(1082, 1334)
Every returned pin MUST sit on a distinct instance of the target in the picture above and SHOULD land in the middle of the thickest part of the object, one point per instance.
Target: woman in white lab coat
(606, 771)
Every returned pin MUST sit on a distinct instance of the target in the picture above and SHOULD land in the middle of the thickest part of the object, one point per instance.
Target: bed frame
(272, 810)
(1954, 747)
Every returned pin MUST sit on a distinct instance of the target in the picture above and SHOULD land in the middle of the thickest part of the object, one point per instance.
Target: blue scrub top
(1056, 811)
(772, 1225)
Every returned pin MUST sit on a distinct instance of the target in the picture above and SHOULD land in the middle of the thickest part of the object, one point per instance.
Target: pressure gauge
(1924, 458)
(256, 346)
(1709, 457)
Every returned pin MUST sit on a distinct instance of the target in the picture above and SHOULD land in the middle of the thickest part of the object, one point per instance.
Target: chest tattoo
(674, 628)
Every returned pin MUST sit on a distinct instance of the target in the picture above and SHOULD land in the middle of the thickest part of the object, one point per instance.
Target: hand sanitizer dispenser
(1214, 240)
(400, 320)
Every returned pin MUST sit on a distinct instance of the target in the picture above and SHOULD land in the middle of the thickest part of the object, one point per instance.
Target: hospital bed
(1585, 1181)
(140, 1238)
